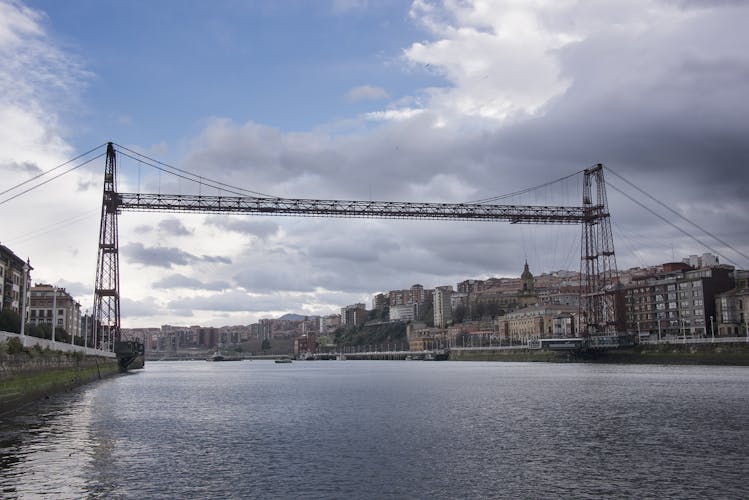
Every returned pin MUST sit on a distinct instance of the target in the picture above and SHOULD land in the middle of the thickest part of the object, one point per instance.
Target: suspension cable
(200, 179)
(185, 177)
(683, 231)
(680, 216)
(50, 180)
(52, 169)
(523, 191)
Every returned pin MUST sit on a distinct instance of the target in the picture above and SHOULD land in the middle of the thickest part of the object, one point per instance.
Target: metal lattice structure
(350, 209)
(598, 274)
(598, 262)
(107, 288)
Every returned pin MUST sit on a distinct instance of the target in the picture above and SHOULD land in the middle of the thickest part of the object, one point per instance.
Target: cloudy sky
(387, 100)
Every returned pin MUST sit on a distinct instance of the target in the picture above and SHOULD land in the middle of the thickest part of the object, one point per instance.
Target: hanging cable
(522, 191)
(680, 216)
(50, 180)
(52, 169)
(200, 179)
(684, 232)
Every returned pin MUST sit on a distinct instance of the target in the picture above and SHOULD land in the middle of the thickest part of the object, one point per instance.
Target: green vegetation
(376, 334)
(667, 354)
(30, 373)
(10, 321)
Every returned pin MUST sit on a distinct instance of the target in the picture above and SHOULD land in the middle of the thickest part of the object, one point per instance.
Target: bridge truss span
(598, 275)
(138, 202)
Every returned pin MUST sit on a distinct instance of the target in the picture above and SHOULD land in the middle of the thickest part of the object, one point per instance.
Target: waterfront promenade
(28, 341)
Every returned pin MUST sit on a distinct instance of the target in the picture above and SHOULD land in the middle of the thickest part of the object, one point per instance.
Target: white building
(404, 312)
(45, 299)
(442, 306)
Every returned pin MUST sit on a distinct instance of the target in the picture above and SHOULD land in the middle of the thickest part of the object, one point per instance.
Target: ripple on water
(387, 430)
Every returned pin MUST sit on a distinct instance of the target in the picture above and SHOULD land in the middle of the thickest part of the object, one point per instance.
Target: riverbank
(670, 354)
(28, 374)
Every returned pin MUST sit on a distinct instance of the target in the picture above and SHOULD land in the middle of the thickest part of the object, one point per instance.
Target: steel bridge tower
(598, 274)
(107, 288)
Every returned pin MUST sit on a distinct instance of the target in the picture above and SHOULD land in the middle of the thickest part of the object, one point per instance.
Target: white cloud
(366, 93)
(535, 90)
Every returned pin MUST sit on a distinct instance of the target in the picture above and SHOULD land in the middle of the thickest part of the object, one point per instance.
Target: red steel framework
(598, 275)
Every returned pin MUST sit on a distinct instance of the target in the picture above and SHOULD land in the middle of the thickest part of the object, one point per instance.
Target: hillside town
(695, 297)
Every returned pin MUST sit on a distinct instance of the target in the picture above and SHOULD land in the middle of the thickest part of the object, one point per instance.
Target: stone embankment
(30, 373)
(670, 354)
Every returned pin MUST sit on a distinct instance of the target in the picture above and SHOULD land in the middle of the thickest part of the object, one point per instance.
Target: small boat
(220, 357)
(284, 360)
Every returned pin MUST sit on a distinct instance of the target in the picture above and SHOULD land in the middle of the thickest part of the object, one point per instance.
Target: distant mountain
(292, 317)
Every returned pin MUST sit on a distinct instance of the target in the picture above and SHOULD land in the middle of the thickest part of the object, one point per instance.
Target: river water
(386, 429)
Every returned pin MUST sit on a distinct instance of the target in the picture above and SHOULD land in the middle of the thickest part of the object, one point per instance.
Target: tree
(10, 321)
(459, 313)
(426, 313)
(492, 309)
(265, 345)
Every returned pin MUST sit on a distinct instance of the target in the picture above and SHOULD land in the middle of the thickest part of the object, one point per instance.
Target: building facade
(15, 281)
(539, 322)
(732, 308)
(353, 315)
(676, 302)
(50, 304)
(442, 306)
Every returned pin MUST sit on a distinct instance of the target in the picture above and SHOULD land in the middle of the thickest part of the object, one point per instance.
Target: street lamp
(24, 304)
(684, 329)
(54, 311)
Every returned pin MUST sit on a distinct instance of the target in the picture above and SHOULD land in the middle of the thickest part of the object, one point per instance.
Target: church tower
(526, 278)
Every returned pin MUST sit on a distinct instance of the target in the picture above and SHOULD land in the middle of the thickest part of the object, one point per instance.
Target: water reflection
(386, 429)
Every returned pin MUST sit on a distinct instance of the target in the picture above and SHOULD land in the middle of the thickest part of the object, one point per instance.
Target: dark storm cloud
(25, 167)
(157, 256)
(215, 259)
(237, 301)
(182, 281)
(173, 227)
(166, 256)
(76, 289)
(145, 307)
(245, 225)
(664, 106)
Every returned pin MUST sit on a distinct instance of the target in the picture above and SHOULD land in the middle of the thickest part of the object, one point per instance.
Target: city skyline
(432, 101)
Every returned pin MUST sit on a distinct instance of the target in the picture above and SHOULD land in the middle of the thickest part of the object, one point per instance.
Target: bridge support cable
(598, 262)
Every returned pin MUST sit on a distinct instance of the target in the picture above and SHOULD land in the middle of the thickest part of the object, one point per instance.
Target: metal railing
(29, 341)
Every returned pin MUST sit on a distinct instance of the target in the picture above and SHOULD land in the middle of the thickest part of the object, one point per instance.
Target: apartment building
(677, 301)
(355, 314)
(13, 286)
(442, 306)
(50, 304)
(540, 321)
(732, 308)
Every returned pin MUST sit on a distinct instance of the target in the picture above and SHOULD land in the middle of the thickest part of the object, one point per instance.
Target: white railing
(700, 340)
(55, 346)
